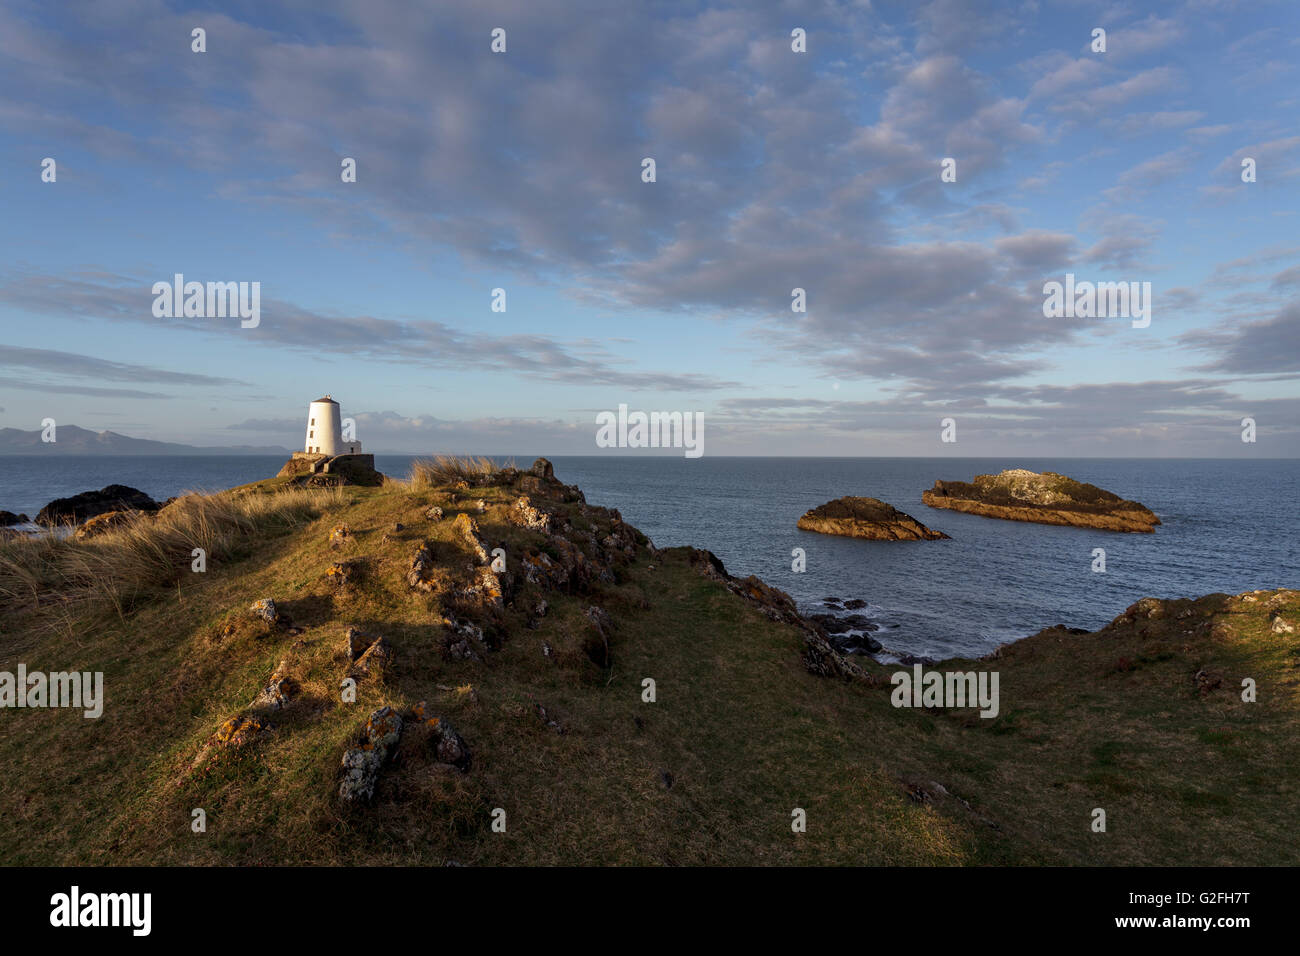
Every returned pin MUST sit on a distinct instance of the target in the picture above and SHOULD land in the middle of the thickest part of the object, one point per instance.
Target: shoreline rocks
(91, 504)
(1048, 498)
(868, 518)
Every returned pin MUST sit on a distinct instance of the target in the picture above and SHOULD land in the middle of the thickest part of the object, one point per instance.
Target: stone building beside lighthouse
(327, 457)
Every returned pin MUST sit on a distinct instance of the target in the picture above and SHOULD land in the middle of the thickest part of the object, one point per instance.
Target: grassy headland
(1143, 718)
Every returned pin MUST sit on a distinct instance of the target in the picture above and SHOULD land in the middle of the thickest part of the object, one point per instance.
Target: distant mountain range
(72, 440)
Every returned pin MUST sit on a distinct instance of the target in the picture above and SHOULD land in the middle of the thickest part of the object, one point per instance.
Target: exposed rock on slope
(867, 518)
(1047, 498)
(819, 656)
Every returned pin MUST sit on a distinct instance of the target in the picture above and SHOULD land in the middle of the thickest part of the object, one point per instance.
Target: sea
(1227, 526)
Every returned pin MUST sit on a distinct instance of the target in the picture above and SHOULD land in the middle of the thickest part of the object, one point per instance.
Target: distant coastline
(75, 440)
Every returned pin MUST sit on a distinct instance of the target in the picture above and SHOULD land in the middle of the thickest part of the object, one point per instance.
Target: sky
(775, 169)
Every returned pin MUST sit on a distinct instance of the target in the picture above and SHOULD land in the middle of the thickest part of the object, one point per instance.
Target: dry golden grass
(149, 550)
(449, 469)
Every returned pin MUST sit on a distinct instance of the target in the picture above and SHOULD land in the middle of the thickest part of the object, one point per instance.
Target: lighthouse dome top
(320, 401)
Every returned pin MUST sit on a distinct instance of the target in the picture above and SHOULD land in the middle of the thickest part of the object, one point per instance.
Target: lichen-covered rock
(560, 566)
(420, 574)
(359, 773)
(448, 746)
(485, 592)
(523, 514)
(280, 689)
(340, 574)
(540, 568)
(540, 480)
(383, 730)
(373, 659)
(362, 764)
(434, 513)
(358, 642)
(240, 731)
(466, 529)
(339, 535)
(265, 609)
(461, 640)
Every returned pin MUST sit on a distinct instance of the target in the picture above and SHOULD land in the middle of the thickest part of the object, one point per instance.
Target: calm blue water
(1228, 526)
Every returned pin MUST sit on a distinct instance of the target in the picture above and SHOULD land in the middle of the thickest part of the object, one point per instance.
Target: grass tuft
(448, 469)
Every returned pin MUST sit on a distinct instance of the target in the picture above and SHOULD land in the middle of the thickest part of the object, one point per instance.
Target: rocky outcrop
(819, 656)
(88, 504)
(523, 514)
(466, 528)
(342, 574)
(272, 616)
(374, 659)
(361, 765)
(422, 574)
(447, 747)
(8, 518)
(240, 731)
(868, 518)
(1047, 498)
(314, 469)
(100, 524)
(849, 634)
(279, 690)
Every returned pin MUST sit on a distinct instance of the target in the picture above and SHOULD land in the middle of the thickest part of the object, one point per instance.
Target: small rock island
(1048, 498)
(867, 518)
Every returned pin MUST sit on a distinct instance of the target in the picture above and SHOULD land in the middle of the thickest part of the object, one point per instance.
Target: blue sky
(775, 170)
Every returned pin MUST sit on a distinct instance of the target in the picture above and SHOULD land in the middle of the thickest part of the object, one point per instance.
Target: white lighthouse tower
(325, 430)
(326, 458)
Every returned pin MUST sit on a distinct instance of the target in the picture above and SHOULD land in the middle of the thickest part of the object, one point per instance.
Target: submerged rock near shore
(868, 518)
(1048, 498)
